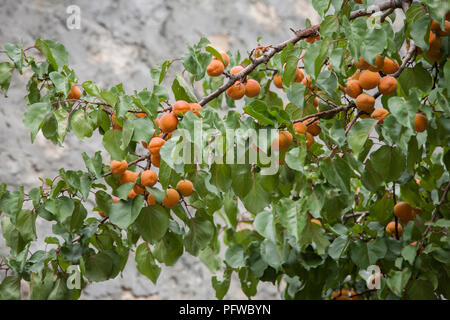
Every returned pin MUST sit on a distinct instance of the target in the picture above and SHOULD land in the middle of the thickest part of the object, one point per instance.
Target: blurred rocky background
(118, 42)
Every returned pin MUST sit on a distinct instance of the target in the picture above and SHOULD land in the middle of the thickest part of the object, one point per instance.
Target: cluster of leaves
(356, 169)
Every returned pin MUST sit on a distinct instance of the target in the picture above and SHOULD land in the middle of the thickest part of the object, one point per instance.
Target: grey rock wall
(118, 43)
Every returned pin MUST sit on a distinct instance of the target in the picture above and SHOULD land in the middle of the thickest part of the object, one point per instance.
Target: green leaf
(264, 225)
(397, 280)
(112, 140)
(221, 287)
(10, 288)
(60, 82)
(337, 173)
(375, 42)
(15, 53)
(257, 198)
(153, 223)
(146, 263)
(336, 248)
(201, 231)
(389, 162)
(110, 97)
(296, 94)
(169, 249)
(409, 253)
(321, 6)
(359, 133)
(34, 117)
(416, 77)
(269, 254)
(420, 31)
(327, 81)
(181, 90)
(55, 53)
(91, 88)
(6, 71)
(80, 124)
(102, 266)
(234, 256)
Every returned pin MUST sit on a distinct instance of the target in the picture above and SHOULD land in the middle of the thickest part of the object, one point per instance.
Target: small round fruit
(128, 176)
(365, 102)
(390, 66)
(379, 114)
(180, 108)
(141, 114)
(363, 64)
(75, 93)
(171, 199)
(313, 127)
(215, 68)
(195, 108)
(155, 145)
(420, 122)
(300, 127)
(118, 167)
(277, 81)
(353, 88)
(168, 122)
(115, 199)
(236, 91)
(390, 229)
(315, 102)
(185, 187)
(151, 199)
(369, 79)
(132, 194)
(225, 58)
(387, 85)
(252, 88)
(434, 41)
(138, 189)
(379, 63)
(404, 212)
(149, 178)
(309, 140)
(156, 160)
(236, 69)
(299, 75)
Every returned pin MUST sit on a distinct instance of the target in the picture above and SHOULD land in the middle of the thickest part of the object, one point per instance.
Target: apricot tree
(362, 115)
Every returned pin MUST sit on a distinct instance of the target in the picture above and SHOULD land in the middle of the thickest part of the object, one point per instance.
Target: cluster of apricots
(405, 213)
(434, 52)
(247, 87)
(148, 178)
(344, 294)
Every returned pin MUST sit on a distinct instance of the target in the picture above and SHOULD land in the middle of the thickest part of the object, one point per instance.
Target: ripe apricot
(75, 93)
(195, 108)
(414, 243)
(379, 114)
(277, 81)
(180, 108)
(299, 75)
(362, 64)
(118, 167)
(236, 91)
(387, 85)
(252, 88)
(420, 122)
(404, 212)
(101, 213)
(215, 68)
(390, 66)
(236, 69)
(390, 229)
(283, 140)
(156, 160)
(171, 199)
(155, 145)
(309, 140)
(307, 81)
(115, 199)
(141, 114)
(168, 122)
(316, 221)
(369, 79)
(185, 187)
(151, 199)
(353, 88)
(365, 102)
(434, 41)
(434, 55)
(138, 189)
(132, 194)
(225, 58)
(128, 176)
(315, 102)
(313, 128)
(300, 127)
(149, 178)
(356, 75)
(379, 63)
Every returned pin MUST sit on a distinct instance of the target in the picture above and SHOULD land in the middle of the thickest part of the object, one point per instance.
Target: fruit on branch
(155, 145)
(390, 66)
(309, 140)
(379, 63)
(356, 75)
(420, 122)
(195, 108)
(299, 75)
(75, 93)
(141, 114)
(365, 102)
(316, 221)
(180, 108)
(315, 102)
(151, 199)
(252, 88)
(115, 125)
(313, 127)
(171, 199)
(300, 127)
(118, 167)
(156, 160)
(434, 41)
(138, 189)
(362, 64)
(215, 68)
(434, 55)
(236, 91)
(353, 89)
(185, 187)
(115, 199)
(404, 212)
(307, 81)
(236, 69)
(283, 141)
(387, 85)
(390, 229)
(369, 79)
(168, 122)
(132, 194)
(128, 176)
(312, 39)
(225, 58)
(149, 178)
(379, 114)
(277, 81)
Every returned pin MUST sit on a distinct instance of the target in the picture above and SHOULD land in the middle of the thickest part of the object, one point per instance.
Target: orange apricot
(185, 187)
(390, 229)
(132, 194)
(236, 69)
(151, 199)
(168, 122)
(171, 199)
(404, 212)
(379, 114)
(195, 108)
(390, 66)
(215, 68)
(116, 126)
(434, 41)
(379, 63)
(252, 88)
(316, 221)
(369, 79)
(434, 55)
(138, 189)
(236, 91)
(118, 167)
(365, 102)
(300, 127)
(353, 88)
(128, 176)
(155, 145)
(387, 85)
(420, 122)
(309, 140)
(277, 81)
(362, 64)
(283, 140)
(149, 178)
(156, 160)
(75, 93)
(313, 127)
(180, 108)
(225, 58)
(115, 199)
(299, 75)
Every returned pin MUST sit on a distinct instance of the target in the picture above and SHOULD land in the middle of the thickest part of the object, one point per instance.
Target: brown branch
(408, 56)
